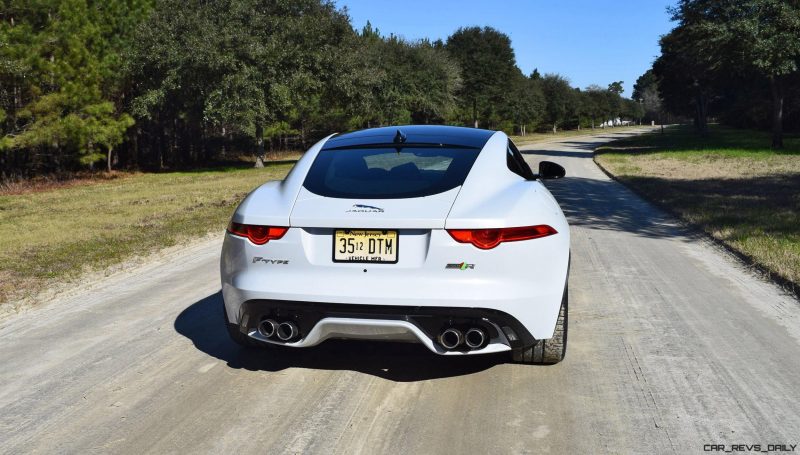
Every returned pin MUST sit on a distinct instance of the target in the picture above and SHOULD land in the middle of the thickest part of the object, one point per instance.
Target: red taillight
(486, 239)
(257, 234)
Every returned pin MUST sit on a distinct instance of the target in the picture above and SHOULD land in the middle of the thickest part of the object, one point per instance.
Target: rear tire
(551, 350)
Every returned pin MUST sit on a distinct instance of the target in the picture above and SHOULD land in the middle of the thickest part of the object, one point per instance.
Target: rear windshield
(389, 173)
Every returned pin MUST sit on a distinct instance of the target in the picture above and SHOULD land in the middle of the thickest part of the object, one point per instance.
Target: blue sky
(590, 42)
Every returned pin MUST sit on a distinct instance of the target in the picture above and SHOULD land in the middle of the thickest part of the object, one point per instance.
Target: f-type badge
(365, 208)
(460, 266)
(270, 261)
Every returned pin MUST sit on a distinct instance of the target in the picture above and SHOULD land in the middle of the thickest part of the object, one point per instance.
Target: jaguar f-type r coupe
(432, 234)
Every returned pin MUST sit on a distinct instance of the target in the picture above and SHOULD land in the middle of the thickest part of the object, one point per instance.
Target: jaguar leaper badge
(365, 208)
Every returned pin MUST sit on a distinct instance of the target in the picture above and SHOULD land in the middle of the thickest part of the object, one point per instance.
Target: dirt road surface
(672, 346)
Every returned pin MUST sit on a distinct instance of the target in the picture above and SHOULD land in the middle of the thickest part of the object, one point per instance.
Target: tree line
(733, 61)
(153, 84)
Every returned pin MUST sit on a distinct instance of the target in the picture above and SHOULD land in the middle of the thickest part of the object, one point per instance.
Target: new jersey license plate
(355, 245)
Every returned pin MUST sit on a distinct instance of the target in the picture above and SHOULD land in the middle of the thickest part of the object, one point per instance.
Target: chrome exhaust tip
(267, 328)
(287, 330)
(474, 338)
(450, 338)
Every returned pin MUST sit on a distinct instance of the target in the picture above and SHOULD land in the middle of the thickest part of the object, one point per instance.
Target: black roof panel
(415, 134)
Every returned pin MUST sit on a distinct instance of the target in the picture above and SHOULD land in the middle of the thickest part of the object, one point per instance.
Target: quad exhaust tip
(474, 338)
(267, 328)
(284, 331)
(287, 330)
(451, 338)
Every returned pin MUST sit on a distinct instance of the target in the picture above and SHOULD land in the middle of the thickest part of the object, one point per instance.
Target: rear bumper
(510, 279)
(318, 322)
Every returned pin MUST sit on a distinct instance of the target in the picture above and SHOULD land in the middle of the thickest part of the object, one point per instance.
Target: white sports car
(431, 234)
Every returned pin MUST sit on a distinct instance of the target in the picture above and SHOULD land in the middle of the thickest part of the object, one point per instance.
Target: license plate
(350, 245)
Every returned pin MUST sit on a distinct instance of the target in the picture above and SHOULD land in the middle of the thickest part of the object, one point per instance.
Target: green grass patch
(60, 233)
(730, 184)
(683, 142)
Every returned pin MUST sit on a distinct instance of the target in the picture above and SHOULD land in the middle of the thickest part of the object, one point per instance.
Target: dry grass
(55, 234)
(730, 184)
(51, 182)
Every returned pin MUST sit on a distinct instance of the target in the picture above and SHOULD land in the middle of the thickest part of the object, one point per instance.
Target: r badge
(460, 266)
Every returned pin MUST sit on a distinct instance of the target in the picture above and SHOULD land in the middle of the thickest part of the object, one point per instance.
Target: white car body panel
(271, 203)
(429, 212)
(523, 279)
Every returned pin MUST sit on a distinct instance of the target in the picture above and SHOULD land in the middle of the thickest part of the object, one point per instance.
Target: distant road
(672, 346)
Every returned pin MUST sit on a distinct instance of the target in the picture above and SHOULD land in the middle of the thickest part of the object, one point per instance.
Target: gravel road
(672, 346)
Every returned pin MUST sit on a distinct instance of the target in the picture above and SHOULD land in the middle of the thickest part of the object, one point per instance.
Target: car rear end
(369, 251)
